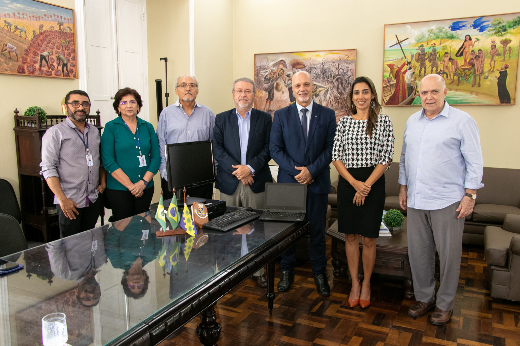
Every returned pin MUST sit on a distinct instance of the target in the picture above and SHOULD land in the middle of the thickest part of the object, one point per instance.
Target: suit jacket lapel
(253, 121)
(234, 127)
(296, 119)
(314, 121)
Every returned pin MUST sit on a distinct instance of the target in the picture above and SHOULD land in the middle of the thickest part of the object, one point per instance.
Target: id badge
(145, 234)
(90, 162)
(142, 161)
(94, 245)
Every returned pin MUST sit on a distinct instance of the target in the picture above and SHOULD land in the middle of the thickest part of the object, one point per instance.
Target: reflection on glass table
(120, 279)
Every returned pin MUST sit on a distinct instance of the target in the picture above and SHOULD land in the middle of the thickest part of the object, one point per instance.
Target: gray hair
(436, 76)
(244, 79)
(195, 79)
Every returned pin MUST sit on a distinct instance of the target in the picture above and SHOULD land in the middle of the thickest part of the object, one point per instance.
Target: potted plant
(393, 219)
(33, 111)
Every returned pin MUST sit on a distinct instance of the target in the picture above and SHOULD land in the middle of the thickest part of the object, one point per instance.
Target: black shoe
(286, 280)
(322, 285)
(261, 281)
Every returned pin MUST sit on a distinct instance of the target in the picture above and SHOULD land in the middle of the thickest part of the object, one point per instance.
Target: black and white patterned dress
(360, 154)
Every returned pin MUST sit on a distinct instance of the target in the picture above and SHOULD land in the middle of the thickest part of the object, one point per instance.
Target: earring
(372, 104)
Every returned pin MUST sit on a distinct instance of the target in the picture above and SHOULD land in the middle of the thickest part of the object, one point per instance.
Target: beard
(188, 97)
(304, 97)
(79, 116)
(244, 104)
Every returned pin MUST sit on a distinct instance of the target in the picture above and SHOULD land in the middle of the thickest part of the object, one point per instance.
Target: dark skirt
(364, 219)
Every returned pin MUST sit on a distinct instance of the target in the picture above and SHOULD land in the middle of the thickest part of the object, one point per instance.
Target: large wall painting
(332, 71)
(476, 56)
(37, 39)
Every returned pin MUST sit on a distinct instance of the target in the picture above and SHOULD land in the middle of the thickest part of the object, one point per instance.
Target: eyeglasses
(185, 86)
(247, 91)
(136, 286)
(131, 102)
(76, 104)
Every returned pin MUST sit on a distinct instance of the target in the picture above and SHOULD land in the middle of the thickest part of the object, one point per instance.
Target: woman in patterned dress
(363, 150)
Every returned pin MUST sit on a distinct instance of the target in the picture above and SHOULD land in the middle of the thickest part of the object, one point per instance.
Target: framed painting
(37, 39)
(332, 71)
(476, 56)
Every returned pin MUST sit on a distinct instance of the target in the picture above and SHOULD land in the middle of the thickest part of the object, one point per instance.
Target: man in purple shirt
(71, 166)
(440, 171)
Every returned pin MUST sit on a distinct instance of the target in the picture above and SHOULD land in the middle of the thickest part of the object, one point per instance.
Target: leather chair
(502, 245)
(333, 203)
(8, 202)
(13, 239)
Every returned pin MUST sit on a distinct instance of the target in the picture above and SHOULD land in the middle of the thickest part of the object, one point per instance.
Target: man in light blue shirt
(184, 121)
(241, 147)
(440, 171)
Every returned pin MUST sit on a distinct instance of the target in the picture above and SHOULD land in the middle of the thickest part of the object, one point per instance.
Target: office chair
(12, 237)
(8, 202)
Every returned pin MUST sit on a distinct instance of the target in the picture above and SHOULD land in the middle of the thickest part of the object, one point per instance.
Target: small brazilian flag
(159, 216)
(174, 257)
(162, 254)
(187, 222)
(173, 213)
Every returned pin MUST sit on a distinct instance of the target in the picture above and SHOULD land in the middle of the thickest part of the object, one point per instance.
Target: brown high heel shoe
(354, 302)
(364, 303)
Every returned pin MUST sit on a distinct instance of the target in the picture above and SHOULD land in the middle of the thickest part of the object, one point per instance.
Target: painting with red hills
(37, 39)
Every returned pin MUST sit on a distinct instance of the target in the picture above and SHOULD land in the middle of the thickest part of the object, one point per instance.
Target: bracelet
(145, 182)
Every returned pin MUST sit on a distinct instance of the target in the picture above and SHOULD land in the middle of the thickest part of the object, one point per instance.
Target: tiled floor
(302, 317)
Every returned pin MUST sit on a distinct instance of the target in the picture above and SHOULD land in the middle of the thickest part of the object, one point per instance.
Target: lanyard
(136, 136)
(85, 144)
(89, 158)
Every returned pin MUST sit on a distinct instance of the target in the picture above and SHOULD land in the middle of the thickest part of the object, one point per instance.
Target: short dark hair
(122, 93)
(76, 92)
(126, 289)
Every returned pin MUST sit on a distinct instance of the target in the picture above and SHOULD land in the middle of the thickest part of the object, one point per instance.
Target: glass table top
(110, 279)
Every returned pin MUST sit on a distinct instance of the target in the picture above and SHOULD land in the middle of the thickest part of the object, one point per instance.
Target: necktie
(304, 123)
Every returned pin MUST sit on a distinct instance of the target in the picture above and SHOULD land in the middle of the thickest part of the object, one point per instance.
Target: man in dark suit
(241, 148)
(301, 143)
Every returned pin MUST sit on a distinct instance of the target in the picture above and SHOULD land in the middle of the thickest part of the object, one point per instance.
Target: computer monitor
(190, 164)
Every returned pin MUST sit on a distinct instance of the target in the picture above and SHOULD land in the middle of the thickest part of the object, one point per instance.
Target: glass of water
(54, 330)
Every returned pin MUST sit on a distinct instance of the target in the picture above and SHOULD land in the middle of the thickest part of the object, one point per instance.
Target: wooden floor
(302, 317)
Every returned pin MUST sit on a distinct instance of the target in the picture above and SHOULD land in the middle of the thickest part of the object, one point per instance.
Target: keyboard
(281, 216)
(232, 220)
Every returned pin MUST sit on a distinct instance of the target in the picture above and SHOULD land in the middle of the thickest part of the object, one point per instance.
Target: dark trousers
(317, 215)
(203, 191)
(84, 221)
(124, 204)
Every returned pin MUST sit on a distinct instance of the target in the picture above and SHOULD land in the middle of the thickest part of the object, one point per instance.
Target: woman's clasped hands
(362, 190)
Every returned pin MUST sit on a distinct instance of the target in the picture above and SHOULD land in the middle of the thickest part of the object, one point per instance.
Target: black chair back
(13, 239)
(8, 202)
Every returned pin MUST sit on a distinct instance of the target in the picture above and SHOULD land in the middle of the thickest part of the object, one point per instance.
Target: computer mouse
(249, 209)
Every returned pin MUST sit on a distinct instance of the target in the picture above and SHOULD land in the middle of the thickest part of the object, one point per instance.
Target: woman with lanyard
(130, 154)
(131, 245)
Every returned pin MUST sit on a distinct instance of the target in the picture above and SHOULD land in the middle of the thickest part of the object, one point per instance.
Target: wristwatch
(146, 183)
(471, 195)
